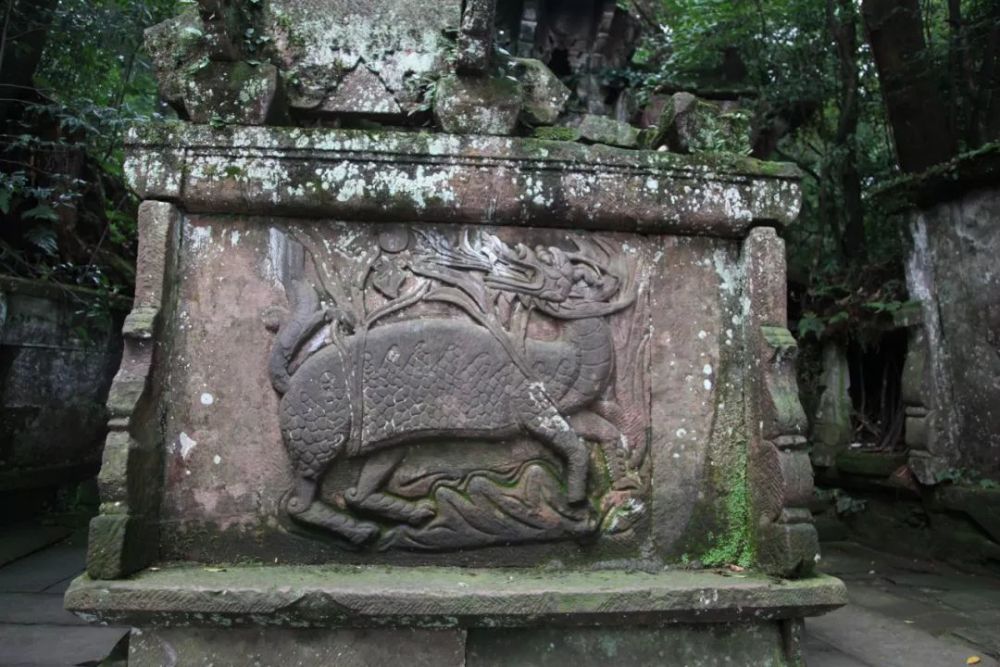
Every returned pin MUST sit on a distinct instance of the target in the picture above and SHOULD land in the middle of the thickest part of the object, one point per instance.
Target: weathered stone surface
(123, 538)
(236, 93)
(475, 38)
(457, 179)
(561, 133)
(981, 504)
(318, 43)
(604, 130)
(689, 645)
(870, 464)
(303, 596)
(178, 49)
(951, 272)
(274, 646)
(55, 370)
(478, 105)
(698, 443)
(361, 92)
(119, 544)
(831, 425)
(691, 125)
(545, 96)
(780, 478)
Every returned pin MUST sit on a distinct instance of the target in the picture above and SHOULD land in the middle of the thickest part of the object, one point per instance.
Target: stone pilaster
(123, 536)
(779, 474)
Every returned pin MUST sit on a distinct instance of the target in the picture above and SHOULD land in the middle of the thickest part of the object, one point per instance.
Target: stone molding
(396, 176)
(307, 596)
(780, 473)
(123, 538)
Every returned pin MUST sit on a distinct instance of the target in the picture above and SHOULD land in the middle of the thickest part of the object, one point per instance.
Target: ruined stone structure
(56, 365)
(951, 384)
(454, 397)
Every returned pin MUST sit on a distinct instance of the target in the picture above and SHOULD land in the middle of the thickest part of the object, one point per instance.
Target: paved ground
(35, 630)
(903, 613)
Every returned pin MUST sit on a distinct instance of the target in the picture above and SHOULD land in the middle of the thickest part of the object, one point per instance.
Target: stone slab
(821, 654)
(45, 570)
(52, 645)
(880, 640)
(203, 647)
(324, 596)
(393, 176)
(20, 541)
(689, 645)
(36, 609)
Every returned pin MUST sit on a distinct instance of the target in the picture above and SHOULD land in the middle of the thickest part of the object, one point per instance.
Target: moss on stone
(557, 133)
(735, 544)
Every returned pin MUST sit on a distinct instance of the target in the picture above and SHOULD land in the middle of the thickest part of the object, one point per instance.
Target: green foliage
(68, 215)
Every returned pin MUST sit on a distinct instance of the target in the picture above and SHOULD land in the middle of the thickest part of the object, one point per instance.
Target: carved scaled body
(437, 378)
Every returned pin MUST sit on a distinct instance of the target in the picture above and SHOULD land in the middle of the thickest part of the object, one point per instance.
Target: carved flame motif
(392, 376)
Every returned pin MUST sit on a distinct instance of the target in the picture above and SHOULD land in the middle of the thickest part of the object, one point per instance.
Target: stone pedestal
(451, 399)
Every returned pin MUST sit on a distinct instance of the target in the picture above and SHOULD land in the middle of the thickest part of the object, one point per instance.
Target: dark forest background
(857, 94)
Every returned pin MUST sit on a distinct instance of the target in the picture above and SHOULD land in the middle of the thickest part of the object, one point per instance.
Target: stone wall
(952, 381)
(56, 365)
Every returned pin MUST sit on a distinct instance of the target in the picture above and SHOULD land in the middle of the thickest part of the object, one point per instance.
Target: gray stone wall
(56, 364)
(953, 377)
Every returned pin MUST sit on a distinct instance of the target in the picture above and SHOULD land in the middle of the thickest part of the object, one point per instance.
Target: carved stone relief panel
(425, 390)
(433, 338)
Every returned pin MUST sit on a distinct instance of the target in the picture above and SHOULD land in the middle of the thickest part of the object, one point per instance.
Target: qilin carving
(432, 343)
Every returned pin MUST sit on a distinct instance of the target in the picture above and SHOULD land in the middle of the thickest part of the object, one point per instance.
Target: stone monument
(454, 398)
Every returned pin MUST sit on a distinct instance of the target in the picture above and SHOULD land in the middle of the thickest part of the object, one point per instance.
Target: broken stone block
(688, 124)
(362, 92)
(236, 93)
(478, 105)
(604, 130)
(177, 48)
(323, 48)
(545, 95)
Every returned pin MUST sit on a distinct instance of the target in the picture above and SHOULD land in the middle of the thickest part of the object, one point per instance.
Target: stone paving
(903, 612)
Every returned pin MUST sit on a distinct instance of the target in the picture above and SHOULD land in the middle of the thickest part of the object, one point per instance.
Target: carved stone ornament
(436, 349)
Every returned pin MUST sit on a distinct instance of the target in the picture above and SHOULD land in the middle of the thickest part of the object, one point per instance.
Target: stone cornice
(307, 596)
(395, 176)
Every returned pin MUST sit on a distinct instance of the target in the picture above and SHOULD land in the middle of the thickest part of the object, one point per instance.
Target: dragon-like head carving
(590, 280)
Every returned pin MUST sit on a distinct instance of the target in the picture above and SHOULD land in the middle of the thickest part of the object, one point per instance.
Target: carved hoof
(391, 507)
(423, 512)
(363, 533)
(321, 515)
(300, 497)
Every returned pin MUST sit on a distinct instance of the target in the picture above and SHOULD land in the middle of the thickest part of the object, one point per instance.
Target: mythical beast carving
(364, 390)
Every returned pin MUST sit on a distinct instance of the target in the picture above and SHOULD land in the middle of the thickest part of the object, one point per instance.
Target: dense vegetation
(73, 75)
(856, 94)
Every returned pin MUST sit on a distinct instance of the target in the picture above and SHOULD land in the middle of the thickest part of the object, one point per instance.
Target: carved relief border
(123, 538)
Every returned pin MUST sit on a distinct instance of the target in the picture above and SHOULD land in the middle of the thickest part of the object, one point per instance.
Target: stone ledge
(300, 596)
(409, 177)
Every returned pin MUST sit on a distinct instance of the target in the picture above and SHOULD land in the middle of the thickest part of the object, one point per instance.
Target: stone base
(292, 615)
(762, 644)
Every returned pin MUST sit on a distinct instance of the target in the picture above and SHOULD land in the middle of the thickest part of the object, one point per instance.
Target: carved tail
(305, 320)
(592, 339)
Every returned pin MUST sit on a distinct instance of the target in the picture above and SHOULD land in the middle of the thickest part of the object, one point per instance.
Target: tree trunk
(23, 33)
(917, 113)
(842, 21)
